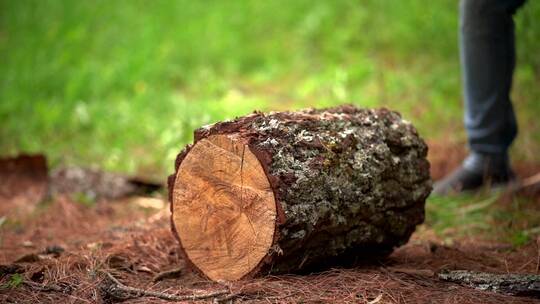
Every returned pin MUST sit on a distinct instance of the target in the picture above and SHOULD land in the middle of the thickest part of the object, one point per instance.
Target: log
(286, 191)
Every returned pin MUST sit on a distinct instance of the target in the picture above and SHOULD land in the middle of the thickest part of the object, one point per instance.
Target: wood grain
(224, 209)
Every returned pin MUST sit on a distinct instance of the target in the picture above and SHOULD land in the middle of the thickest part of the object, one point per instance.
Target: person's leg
(487, 60)
(488, 56)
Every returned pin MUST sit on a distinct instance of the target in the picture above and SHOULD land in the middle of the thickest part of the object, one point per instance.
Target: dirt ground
(64, 251)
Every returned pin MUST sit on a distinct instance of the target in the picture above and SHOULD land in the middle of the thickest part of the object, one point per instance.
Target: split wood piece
(512, 284)
(290, 191)
(532, 181)
(528, 186)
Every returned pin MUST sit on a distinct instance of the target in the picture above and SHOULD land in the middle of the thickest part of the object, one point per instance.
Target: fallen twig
(479, 206)
(117, 290)
(167, 274)
(226, 299)
(513, 284)
(46, 287)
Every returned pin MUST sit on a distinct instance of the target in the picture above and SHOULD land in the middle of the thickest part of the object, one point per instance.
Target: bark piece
(512, 284)
(23, 184)
(287, 191)
(95, 184)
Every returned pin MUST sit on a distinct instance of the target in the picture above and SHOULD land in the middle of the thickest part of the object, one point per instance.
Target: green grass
(502, 219)
(15, 280)
(122, 84)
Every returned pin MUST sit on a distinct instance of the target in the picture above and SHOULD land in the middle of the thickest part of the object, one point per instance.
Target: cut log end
(224, 210)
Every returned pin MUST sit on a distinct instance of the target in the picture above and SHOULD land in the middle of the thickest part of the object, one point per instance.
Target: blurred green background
(122, 84)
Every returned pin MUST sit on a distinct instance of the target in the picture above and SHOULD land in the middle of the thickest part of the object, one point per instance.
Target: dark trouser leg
(487, 59)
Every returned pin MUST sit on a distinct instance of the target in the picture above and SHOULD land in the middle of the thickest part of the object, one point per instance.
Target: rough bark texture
(347, 181)
(512, 284)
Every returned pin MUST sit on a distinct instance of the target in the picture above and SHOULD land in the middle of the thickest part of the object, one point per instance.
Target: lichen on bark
(349, 181)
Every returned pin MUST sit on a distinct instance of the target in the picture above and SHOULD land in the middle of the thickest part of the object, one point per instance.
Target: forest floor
(62, 250)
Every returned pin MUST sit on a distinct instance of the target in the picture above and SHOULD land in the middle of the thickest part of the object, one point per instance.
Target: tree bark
(303, 189)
